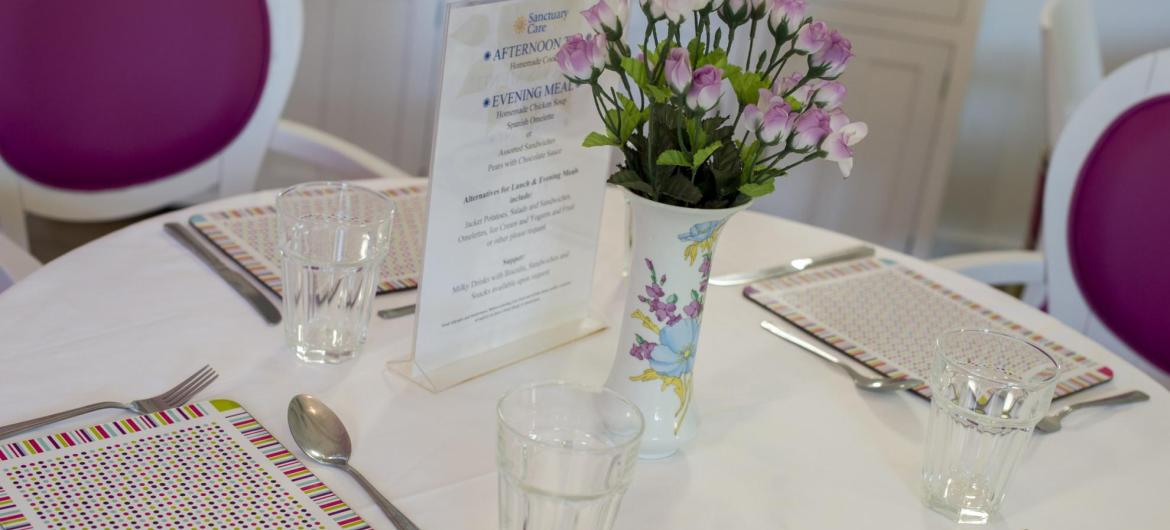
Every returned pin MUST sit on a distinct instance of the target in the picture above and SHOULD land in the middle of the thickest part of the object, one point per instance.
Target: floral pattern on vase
(672, 358)
(664, 307)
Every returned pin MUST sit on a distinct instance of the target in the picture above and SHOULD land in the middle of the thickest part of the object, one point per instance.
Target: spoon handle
(401, 522)
(1128, 397)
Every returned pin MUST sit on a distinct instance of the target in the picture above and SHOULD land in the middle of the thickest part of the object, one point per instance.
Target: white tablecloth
(785, 441)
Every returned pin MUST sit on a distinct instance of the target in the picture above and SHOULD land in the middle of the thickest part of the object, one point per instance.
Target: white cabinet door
(895, 85)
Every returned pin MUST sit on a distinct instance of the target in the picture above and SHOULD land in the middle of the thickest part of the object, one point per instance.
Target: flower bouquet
(701, 135)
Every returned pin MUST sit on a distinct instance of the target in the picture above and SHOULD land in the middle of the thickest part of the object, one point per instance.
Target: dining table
(785, 441)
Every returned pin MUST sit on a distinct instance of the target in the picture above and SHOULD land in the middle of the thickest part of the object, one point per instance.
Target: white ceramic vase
(670, 263)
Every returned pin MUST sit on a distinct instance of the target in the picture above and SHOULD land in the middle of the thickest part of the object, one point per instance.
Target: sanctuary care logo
(538, 21)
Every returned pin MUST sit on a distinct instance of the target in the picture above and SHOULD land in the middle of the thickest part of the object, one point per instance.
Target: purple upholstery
(1119, 225)
(109, 94)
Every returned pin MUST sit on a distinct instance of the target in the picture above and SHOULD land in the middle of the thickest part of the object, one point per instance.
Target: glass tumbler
(566, 455)
(333, 238)
(988, 392)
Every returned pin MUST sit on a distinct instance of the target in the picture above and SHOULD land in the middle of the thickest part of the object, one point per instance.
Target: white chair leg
(12, 221)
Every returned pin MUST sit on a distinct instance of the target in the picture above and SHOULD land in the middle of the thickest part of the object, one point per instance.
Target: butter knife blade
(792, 267)
(237, 281)
(395, 312)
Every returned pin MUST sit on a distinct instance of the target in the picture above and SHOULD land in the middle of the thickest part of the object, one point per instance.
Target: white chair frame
(15, 263)
(1072, 59)
(230, 172)
(1141, 79)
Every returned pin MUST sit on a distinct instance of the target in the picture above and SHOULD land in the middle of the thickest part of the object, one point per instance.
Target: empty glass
(989, 390)
(333, 238)
(566, 456)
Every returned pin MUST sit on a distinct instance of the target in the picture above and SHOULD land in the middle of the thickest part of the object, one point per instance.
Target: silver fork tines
(176, 396)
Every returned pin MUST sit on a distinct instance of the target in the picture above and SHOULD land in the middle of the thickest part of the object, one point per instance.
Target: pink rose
(813, 37)
(791, 87)
(605, 19)
(768, 118)
(838, 145)
(834, 56)
(809, 128)
(706, 85)
(837, 119)
(676, 11)
(759, 8)
(786, 16)
(829, 95)
(653, 9)
(678, 70)
(775, 126)
(582, 58)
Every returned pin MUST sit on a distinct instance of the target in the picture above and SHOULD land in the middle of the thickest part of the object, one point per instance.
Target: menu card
(515, 200)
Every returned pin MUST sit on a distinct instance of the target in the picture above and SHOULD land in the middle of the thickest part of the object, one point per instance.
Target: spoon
(1051, 423)
(321, 435)
(873, 384)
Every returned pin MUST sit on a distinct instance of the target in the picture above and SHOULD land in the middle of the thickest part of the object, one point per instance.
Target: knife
(395, 312)
(794, 266)
(236, 280)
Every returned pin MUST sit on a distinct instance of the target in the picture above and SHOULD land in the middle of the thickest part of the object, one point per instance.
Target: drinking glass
(566, 455)
(333, 239)
(988, 391)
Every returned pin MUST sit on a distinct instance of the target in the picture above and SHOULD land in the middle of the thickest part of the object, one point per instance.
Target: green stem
(707, 31)
(730, 38)
(599, 104)
(780, 64)
(804, 80)
(751, 169)
(747, 62)
(811, 156)
(671, 32)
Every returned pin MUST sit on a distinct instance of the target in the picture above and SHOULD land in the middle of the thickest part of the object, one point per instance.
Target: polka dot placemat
(204, 465)
(888, 316)
(248, 236)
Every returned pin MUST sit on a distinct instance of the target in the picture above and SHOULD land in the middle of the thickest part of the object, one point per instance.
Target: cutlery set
(315, 428)
(323, 438)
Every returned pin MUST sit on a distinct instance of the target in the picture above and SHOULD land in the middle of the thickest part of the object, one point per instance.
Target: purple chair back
(110, 94)
(1118, 225)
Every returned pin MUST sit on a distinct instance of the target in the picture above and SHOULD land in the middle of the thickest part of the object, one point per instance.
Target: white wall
(356, 80)
(1001, 139)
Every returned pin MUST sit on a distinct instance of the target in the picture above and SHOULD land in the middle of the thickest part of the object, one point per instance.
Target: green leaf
(694, 295)
(631, 180)
(657, 93)
(672, 157)
(754, 189)
(631, 118)
(747, 86)
(702, 154)
(717, 58)
(673, 298)
(595, 139)
(637, 71)
(748, 154)
(693, 49)
(794, 103)
(678, 187)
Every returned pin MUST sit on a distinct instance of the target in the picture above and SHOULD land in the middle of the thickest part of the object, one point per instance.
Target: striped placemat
(248, 236)
(888, 316)
(203, 465)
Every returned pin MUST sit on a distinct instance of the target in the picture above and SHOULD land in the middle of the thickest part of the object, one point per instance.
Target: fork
(172, 398)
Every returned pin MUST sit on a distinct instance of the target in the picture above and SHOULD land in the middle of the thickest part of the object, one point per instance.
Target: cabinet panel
(895, 87)
(935, 10)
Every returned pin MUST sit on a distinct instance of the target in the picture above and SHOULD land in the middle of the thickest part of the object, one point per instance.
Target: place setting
(527, 320)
